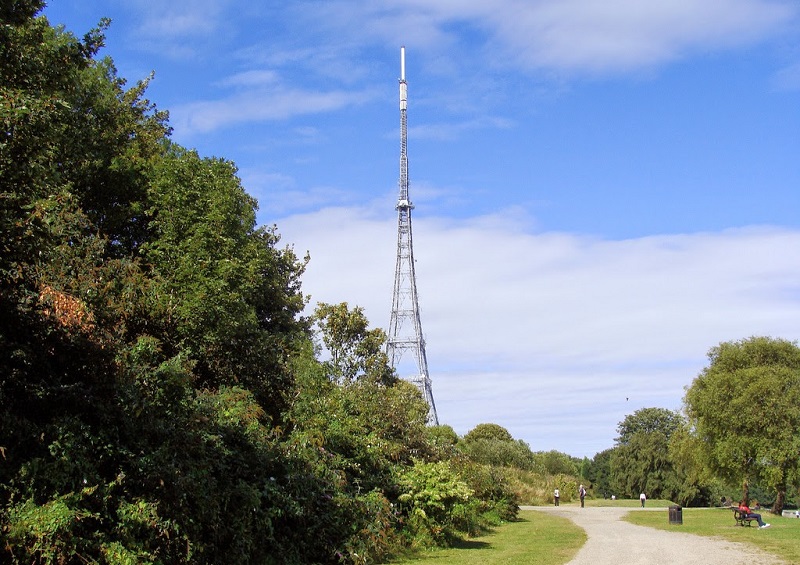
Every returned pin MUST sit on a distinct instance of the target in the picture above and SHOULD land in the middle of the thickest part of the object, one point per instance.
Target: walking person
(582, 494)
(642, 499)
(556, 496)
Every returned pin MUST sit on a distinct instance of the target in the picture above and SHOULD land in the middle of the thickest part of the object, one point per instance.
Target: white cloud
(621, 34)
(251, 79)
(278, 194)
(548, 334)
(454, 130)
(180, 19)
(574, 35)
(272, 102)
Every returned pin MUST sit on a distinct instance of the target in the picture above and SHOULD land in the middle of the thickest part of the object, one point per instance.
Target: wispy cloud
(278, 194)
(571, 35)
(624, 34)
(253, 78)
(278, 81)
(787, 78)
(168, 25)
(454, 130)
(266, 100)
(516, 323)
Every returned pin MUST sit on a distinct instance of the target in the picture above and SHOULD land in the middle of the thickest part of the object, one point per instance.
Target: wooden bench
(741, 518)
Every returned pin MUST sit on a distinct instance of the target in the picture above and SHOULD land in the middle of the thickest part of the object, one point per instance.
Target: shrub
(492, 488)
(499, 452)
(434, 502)
(44, 533)
(372, 536)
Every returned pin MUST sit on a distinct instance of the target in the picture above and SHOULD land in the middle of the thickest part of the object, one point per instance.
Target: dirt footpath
(611, 541)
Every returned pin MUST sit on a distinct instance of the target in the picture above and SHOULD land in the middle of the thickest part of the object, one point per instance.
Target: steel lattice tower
(405, 328)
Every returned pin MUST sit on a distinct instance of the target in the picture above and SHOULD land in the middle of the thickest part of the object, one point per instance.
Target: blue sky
(604, 189)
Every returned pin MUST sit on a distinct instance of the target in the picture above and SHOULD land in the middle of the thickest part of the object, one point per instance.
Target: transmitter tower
(405, 328)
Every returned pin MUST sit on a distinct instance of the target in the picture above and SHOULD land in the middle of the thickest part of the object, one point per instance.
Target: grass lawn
(780, 539)
(540, 539)
(534, 539)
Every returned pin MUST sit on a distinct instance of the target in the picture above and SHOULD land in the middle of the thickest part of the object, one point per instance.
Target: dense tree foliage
(694, 485)
(598, 474)
(161, 396)
(128, 429)
(745, 414)
(647, 421)
(488, 432)
(640, 461)
(651, 455)
(356, 350)
(224, 293)
(555, 463)
(492, 444)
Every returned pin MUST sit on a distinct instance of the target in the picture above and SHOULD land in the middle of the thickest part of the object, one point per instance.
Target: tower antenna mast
(405, 328)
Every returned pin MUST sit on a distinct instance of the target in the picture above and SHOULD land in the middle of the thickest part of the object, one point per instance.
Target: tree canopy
(640, 461)
(162, 399)
(488, 432)
(744, 409)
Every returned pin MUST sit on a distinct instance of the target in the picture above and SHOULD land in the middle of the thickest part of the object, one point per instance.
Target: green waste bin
(675, 514)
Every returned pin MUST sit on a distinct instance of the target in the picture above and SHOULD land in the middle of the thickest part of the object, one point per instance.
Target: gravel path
(612, 541)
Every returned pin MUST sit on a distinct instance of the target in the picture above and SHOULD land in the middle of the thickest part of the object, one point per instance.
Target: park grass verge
(780, 539)
(534, 538)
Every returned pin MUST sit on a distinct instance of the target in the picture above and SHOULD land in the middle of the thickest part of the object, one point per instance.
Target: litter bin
(675, 514)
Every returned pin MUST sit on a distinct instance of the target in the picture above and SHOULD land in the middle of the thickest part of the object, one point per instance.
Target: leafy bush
(500, 453)
(44, 532)
(372, 535)
(555, 463)
(497, 501)
(488, 432)
(435, 503)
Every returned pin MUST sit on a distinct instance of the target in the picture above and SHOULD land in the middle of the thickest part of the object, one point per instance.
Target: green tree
(443, 440)
(555, 463)
(488, 431)
(224, 292)
(492, 444)
(71, 126)
(364, 432)
(356, 350)
(744, 409)
(598, 473)
(640, 461)
(693, 484)
(514, 453)
(648, 421)
(367, 418)
(122, 439)
(73, 155)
